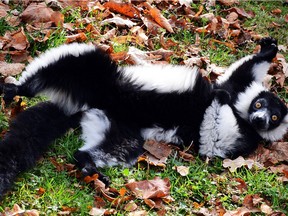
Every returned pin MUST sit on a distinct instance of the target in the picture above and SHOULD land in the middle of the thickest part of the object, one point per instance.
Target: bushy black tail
(29, 137)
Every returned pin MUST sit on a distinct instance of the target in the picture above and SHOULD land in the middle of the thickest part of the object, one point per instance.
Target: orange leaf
(158, 17)
(122, 192)
(126, 9)
(89, 179)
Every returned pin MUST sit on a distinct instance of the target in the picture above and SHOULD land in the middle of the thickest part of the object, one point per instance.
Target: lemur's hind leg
(106, 143)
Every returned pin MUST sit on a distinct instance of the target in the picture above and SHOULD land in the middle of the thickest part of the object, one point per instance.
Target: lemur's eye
(258, 105)
(274, 117)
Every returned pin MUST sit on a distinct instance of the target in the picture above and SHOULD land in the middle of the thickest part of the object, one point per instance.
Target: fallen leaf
(232, 165)
(186, 156)
(182, 170)
(158, 149)
(228, 2)
(119, 21)
(11, 69)
(241, 12)
(150, 189)
(16, 210)
(3, 10)
(138, 213)
(83, 4)
(97, 211)
(158, 17)
(150, 159)
(38, 13)
(131, 206)
(17, 40)
(276, 11)
(80, 37)
(126, 9)
(266, 209)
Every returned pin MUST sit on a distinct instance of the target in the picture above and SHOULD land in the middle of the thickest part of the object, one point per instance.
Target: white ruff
(232, 68)
(218, 131)
(276, 133)
(159, 134)
(94, 124)
(53, 55)
(245, 98)
(162, 78)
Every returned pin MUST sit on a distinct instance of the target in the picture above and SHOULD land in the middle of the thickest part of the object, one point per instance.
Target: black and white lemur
(120, 107)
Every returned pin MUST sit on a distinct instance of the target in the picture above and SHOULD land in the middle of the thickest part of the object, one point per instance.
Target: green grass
(205, 183)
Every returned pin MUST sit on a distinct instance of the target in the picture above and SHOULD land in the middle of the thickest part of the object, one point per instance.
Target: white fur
(232, 68)
(102, 159)
(162, 78)
(245, 98)
(94, 124)
(52, 56)
(260, 70)
(218, 131)
(63, 100)
(277, 133)
(159, 134)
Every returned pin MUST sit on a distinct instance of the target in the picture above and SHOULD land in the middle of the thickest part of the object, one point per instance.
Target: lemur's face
(266, 111)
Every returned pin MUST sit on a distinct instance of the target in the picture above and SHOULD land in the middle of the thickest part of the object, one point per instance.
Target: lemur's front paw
(269, 47)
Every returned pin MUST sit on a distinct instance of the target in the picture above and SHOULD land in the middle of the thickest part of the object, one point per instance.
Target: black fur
(27, 139)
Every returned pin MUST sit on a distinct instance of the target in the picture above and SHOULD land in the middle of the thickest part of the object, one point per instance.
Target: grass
(49, 191)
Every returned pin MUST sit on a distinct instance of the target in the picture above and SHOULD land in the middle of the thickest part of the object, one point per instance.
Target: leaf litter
(144, 25)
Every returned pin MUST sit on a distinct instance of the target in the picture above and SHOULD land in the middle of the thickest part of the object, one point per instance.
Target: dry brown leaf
(11, 69)
(138, 213)
(99, 202)
(273, 154)
(150, 159)
(158, 149)
(241, 12)
(186, 156)
(158, 17)
(130, 206)
(16, 39)
(38, 13)
(228, 2)
(139, 35)
(152, 27)
(182, 170)
(3, 10)
(150, 189)
(80, 37)
(276, 11)
(119, 21)
(242, 211)
(232, 165)
(126, 9)
(16, 210)
(83, 4)
(97, 211)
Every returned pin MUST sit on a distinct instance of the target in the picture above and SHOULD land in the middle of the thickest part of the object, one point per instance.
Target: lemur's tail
(29, 137)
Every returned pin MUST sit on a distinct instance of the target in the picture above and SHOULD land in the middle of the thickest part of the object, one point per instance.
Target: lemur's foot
(85, 163)
(9, 91)
(269, 48)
